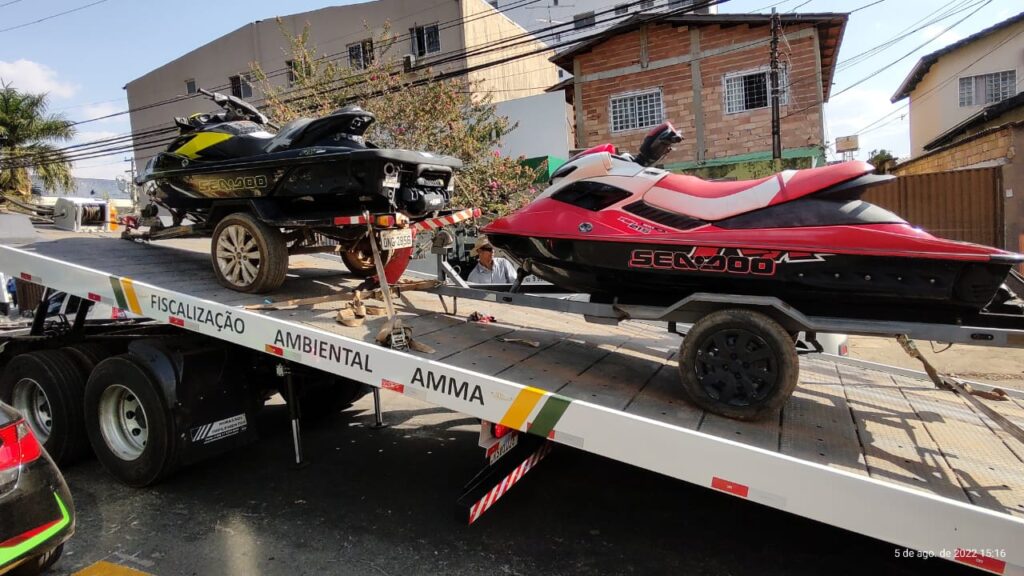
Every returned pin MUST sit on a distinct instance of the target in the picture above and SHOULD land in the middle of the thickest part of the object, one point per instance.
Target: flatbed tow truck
(878, 451)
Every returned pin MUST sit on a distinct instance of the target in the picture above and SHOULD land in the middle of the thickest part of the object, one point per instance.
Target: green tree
(414, 110)
(882, 160)
(28, 138)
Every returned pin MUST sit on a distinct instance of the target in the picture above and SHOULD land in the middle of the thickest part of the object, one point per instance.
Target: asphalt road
(381, 502)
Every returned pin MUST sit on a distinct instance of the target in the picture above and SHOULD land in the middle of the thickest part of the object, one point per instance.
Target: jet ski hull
(824, 283)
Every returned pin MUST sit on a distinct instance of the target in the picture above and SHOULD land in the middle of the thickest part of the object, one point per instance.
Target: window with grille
(425, 39)
(360, 54)
(646, 4)
(583, 20)
(636, 110)
(986, 89)
(241, 85)
(190, 86)
(751, 90)
(621, 9)
(677, 4)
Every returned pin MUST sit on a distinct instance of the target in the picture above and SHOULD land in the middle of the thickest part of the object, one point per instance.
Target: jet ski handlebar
(657, 144)
(237, 108)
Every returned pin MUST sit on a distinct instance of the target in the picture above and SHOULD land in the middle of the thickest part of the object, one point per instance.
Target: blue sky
(83, 59)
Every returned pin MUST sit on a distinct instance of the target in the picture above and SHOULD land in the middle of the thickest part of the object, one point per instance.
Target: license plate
(395, 239)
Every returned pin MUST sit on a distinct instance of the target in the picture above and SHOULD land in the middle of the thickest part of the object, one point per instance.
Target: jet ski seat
(710, 201)
(287, 134)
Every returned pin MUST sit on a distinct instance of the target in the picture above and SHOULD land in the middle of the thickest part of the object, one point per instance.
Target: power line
(50, 17)
(441, 77)
(9, 3)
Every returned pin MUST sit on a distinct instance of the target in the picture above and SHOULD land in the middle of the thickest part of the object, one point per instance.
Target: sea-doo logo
(724, 260)
(231, 184)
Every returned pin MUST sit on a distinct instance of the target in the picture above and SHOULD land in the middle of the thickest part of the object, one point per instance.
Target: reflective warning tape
(30, 278)
(442, 221)
(733, 488)
(283, 352)
(494, 494)
(349, 220)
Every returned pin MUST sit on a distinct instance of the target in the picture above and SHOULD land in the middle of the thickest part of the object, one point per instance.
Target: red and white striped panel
(492, 496)
(442, 221)
(349, 220)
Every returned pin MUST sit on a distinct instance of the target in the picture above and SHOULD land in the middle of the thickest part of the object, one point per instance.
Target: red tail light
(500, 430)
(18, 445)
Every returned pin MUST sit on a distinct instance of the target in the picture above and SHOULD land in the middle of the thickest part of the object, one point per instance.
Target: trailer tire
(47, 388)
(232, 263)
(738, 363)
(359, 259)
(325, 397)
(129, 423)
(38, 564)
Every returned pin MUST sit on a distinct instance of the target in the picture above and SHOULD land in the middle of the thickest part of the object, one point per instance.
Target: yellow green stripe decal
(549, 415)
(129, 293)
(521, 407)
(115, 283)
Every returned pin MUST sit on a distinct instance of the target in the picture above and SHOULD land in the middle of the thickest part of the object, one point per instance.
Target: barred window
(636, 110)
(241, 85)
(987, 88)
(621, 9)
(751, 90)
(190, 86)
(360, 54)
(425, 39)
(646, 4)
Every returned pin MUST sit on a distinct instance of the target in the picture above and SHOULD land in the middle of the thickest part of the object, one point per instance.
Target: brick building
(708, 74)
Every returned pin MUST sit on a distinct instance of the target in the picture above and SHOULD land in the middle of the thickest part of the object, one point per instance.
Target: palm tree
(27, 140)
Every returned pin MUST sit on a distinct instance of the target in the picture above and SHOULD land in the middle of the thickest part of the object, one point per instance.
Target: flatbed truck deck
(883, 454)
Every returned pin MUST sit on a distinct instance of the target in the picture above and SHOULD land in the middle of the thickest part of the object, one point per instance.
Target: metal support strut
(293, 411)
(376, 409)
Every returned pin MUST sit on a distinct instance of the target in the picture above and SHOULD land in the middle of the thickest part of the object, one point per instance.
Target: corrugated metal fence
(960, 205)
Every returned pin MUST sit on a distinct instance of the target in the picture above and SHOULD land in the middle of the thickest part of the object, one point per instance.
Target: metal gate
(960, 205)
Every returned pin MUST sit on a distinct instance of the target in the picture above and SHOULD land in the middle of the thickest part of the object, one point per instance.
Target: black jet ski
(264, 193)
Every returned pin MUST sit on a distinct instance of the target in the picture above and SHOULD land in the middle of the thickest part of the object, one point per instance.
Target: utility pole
(774, 79)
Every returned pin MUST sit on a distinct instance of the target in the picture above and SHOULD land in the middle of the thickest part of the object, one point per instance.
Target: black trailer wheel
(128, 422)
(738, 363)
(324, 397)
(47, 387)
(359, 259)
(248, 255)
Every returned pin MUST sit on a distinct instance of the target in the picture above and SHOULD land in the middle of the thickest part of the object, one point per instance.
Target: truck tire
(738, 363)
(86, 356)
(248, 255)
(325, 397)
(129, 423)
(47, 388)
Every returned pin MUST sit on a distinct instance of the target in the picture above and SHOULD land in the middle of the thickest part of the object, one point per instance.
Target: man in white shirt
(490, 269)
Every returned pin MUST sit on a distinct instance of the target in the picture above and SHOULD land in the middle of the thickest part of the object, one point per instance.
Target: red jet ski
(612, 226)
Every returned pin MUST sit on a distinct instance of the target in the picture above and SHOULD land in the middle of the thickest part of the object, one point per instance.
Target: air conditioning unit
(408, 62)
(81, 214)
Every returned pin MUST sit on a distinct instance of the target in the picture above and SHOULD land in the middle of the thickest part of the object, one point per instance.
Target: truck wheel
(738, 363)
(248, 255)
(128, 422)
(359, 259)
(86, 356)
(325, 397)
(46, 387)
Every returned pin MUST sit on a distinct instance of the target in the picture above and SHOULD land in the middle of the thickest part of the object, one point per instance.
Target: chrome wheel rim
(32, 402)
(238, 255)
(123, 422)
